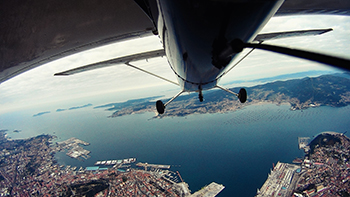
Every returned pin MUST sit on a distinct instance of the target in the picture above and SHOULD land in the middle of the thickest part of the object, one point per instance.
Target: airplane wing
(161, 52)
(112, 62)
(36, 32)
(120, 60)
(288, 34)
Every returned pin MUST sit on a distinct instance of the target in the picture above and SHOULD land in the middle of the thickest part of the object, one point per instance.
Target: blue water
(235, 149)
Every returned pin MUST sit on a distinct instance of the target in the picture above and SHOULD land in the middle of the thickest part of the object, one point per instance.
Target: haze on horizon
(38, 86)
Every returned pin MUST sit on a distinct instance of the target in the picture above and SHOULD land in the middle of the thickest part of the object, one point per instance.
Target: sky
(38, 86)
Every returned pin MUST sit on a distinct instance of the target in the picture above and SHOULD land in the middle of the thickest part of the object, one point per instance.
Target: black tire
(160, 107)
(242, 95)
(200, 96)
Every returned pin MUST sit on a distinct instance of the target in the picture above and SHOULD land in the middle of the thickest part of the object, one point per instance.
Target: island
(80, 107)
(28, 168)
(324, 171)
(61, 109)
(325, 90)
(41, 113)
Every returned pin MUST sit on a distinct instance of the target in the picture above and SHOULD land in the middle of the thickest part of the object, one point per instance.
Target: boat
(297, 160)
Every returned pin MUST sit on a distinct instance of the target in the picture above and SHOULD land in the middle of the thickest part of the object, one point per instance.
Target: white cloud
(39, 85)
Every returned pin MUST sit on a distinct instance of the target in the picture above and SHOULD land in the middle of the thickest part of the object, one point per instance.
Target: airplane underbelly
(194, 33)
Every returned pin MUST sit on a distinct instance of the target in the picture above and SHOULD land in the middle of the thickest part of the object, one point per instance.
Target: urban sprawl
(28, 168)
(324, 171)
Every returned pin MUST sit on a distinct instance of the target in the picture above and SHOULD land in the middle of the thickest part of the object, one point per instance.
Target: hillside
(326, 90)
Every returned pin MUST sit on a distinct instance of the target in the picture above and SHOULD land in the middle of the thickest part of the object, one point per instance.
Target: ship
(297, 161)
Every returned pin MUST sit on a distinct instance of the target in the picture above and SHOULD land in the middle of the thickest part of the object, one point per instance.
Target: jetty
(157, 166)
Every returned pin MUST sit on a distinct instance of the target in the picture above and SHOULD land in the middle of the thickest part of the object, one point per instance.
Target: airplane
(200, 37)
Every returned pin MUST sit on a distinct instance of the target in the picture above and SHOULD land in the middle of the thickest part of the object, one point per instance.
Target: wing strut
(128, 64)
(238, 45)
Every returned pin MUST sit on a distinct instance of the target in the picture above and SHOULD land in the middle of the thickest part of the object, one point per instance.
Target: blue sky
(38, 86)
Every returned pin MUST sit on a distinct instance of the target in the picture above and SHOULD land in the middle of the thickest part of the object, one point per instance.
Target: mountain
(298, 75)
(326, 90)
(329, 90)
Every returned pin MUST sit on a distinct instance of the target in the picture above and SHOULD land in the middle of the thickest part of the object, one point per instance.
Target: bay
(236, 149)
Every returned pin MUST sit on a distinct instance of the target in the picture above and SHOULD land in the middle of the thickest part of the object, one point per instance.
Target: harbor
(74, 149)
(279, 181)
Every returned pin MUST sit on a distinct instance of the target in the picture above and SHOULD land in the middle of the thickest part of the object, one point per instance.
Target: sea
(236, 149)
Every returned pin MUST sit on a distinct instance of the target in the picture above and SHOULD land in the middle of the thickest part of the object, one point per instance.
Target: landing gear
(200, 94)
(242, 95)
(160, 107)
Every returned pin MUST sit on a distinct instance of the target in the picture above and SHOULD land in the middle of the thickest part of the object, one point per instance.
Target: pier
(279, 181)
(115, 162)
(212, 189)
(159, 166)
(74, 149)
(303, 143)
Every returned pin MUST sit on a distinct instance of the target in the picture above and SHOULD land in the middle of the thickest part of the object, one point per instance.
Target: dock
(74, 149)
(303, 143)
(211, 190)
(115, 162)
(279, 182)
(158, 166)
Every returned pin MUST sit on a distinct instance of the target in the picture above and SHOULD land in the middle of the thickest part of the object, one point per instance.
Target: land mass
(28, 168)
(326, 90)
(324, 171)
(41, 113)
(60, 110)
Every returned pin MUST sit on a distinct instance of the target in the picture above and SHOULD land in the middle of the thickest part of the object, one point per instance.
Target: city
(323, 172)
(28, 168)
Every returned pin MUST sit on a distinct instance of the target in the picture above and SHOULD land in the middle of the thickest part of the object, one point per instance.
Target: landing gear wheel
(160, 107)
(242, 95)
(200, 96)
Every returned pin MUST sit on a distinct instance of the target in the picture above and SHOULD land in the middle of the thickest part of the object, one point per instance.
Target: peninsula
(326, 90)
